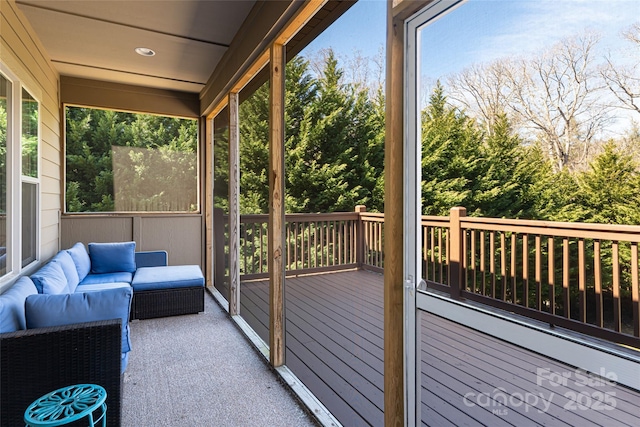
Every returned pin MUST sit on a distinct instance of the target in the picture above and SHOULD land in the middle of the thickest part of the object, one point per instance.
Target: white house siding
(24, 55)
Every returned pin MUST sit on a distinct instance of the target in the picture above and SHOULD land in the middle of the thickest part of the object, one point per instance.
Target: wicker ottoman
(167, 291)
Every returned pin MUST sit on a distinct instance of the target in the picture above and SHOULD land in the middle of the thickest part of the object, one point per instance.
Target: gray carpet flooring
(198, 370)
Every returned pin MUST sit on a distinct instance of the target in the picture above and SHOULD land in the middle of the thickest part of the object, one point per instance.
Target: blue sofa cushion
(174, 276)
(12, 317)
(102, 286)
(69, 268)
(94, 279)
(81, 259)
(50, 279)
(66, 309)
(112, 257)
(151, 258)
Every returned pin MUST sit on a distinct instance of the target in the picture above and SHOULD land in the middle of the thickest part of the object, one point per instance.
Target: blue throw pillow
(112, 257)
(81, 259)
(69, 268)
(57, 310)
(12, 317)
(50, 279)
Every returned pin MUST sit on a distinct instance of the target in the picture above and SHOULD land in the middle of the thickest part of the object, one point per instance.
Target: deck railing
(314, 243)
(583, 277)
(580, 276)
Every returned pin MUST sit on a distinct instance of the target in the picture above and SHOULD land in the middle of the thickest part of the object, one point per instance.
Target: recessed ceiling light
(144, 51)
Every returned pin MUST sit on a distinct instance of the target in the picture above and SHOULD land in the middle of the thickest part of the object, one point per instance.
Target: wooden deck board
(489, 370)
(334, 346)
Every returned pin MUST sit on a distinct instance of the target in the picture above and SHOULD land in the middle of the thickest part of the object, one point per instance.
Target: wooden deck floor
(335, 346)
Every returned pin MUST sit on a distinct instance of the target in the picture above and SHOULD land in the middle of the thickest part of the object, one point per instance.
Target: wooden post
(276, 205)
(394, 225)
(208, 200)
(234, 206)
(360, 236)
(456, 237)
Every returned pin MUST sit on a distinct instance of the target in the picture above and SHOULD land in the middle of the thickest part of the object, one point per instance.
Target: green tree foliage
(451, 166)
(333, 149)
(334, 153)
(607, 192)
(509, 173)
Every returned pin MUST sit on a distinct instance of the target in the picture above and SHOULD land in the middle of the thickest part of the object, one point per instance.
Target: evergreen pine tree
(451, 163)
(608, 190)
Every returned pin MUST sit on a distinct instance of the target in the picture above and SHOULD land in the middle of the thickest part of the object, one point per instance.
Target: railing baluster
(367, 245)
(525, 270)
(263, 247)
(473, 260)
(538, 273)
(245, 246)
(376, 240)
(492, 254)
(482, 264)
(315, 244)
(463, 235)
(503, 265)
(551, 276)
(351, 242)
(597, 276)
(339, 234)
(308, 244)
(615, 260)
(328, 242)
(425, 253)
(635, 292)
(566, 297)
(254, 247)
(582, 273)
(373, 246)
(296, 254)
(333, 243)
(379, 264)
(514, 292)
(433, 254)
(287, 239)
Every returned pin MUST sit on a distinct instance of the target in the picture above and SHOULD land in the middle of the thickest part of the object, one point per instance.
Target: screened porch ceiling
(95, 39)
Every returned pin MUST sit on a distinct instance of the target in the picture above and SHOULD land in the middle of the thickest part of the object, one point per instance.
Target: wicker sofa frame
(34, 362)
(167, 302)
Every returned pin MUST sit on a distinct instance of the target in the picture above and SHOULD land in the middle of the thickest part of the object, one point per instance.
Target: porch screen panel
(334, 133)
(254, 205)
(221, 201)
(128, 162)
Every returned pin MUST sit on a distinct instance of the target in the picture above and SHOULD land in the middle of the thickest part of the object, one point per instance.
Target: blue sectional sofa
(68, 323)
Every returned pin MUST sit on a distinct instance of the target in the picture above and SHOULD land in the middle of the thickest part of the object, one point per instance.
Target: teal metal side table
(68, 404)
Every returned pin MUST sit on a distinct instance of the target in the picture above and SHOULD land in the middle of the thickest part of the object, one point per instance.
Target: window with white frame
(29, 153)
(19, 175)
(5, 114)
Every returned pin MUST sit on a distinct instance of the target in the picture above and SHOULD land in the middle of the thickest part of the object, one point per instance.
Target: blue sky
(483, 30)
(362, 28)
